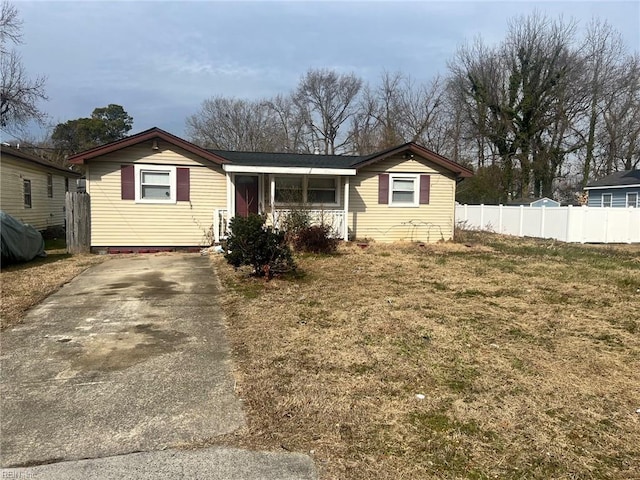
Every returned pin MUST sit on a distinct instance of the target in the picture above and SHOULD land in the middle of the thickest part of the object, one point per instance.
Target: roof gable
(33, 159)
(151, 134)
(412, 148)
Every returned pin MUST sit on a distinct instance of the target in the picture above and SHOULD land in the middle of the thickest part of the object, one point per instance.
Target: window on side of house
(606, 199)
(155, 184)
(289, 189)
(26, 188)
(322, 190)
(49, 185)
(632, 200)
(403, 190)
(66, 184)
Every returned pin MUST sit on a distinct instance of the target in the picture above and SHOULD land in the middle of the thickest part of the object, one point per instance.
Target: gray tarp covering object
(20, 242)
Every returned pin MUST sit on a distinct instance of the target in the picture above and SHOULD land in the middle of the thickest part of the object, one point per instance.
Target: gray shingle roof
(626, 177)
(269, 159)
(29, 157)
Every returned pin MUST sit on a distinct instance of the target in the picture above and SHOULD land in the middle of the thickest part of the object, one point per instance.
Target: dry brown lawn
(527, 354)
(25, 285)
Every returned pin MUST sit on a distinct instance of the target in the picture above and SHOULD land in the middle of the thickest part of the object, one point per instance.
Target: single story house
(154, 189)
(33, 189)
(620, 189)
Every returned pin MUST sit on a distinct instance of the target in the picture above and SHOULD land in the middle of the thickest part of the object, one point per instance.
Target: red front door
(246, 195)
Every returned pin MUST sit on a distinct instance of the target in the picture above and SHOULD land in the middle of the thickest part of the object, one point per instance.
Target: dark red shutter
(425, 187)
(127, 182)
(182, 175)
(383, 188)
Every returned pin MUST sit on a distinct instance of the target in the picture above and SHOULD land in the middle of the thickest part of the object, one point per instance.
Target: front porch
(321, 193)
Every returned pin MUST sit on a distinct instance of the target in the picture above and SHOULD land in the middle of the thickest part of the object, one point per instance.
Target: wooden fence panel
(78, 214)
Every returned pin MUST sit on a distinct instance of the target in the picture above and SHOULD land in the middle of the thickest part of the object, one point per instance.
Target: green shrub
(315, 239)
(252, 243)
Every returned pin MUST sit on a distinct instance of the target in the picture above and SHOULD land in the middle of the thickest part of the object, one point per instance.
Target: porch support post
(345, 223)
(272, 198)
(230, 195)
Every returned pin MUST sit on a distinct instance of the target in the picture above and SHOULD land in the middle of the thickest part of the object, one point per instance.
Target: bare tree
(619, 134)
(289, 125)
(19, 94)
(511, 94)
(400, 110)
(603, 49)
(328, 101)
(233, 124)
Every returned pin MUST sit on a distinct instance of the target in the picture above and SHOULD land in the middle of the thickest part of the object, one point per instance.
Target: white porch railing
(220, 224)
(334, 218)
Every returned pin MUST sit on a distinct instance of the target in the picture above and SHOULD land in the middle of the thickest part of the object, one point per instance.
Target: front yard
(501, 358)
(492, 358)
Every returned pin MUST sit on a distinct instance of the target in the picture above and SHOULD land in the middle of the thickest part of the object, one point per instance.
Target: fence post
(542, 221)
(78, 217)
(482, 216)
(569, 226)
(521, 220)
(500, 218)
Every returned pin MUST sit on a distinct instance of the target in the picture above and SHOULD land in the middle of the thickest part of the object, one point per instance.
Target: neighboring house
(535, 202)
(33, 189)
(154, 189)
(620, 189)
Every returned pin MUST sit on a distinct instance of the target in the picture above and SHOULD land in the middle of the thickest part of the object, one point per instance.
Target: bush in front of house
(315, 239)
(253, 243)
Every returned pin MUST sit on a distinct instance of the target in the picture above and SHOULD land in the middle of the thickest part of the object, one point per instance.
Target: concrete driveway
(130, 356)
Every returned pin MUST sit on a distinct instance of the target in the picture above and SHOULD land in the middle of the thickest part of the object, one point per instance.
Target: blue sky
(160, 60)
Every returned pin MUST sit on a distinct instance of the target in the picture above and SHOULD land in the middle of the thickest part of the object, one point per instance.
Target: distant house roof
(623, 179)
(533, 200)
(34, 159)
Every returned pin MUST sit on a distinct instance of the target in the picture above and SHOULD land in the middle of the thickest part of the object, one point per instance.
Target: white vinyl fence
(568, 224)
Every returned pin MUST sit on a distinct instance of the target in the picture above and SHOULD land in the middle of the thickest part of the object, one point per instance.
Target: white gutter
(613, 186)
(292, 170)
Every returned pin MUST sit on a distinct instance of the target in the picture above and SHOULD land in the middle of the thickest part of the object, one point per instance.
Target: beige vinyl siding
(45, 211)
(117, 222)
(384, 223)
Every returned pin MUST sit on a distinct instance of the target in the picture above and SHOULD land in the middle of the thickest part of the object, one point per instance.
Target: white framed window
(290, 189)
(49, 185)
(606, 200)
(404, 190)
(632, 200)
(322, 190)
(307, 189)
(155, 184)
(26, 188)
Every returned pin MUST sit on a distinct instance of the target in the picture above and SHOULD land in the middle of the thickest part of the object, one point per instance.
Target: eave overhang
(288, 170)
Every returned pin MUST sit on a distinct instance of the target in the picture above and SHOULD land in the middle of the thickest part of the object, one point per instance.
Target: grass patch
(528, 366)
(26, 284)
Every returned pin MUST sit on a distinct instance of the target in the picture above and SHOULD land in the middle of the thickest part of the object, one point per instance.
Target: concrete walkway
(130, 356)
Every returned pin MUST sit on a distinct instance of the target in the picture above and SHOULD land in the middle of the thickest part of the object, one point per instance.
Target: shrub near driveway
(528, 368)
